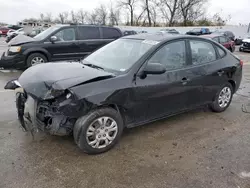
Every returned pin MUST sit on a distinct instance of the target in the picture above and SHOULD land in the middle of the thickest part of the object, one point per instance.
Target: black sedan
(129, 82)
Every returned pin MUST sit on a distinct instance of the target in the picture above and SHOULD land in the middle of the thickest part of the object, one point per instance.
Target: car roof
(159, 37)
(212, 36)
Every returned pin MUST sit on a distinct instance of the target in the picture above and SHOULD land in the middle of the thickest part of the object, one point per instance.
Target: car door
(110, 34)
(224, 41)
(65, 47)
(207, 62)
(89, 39)
(172, 91)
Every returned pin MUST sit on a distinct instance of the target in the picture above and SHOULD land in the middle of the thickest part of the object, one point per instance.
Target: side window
(202, 52)
(221, 52)
(86, 33)
(66, 35)
(216, 39)
(110, 33)
(172, 55)
(223, 40)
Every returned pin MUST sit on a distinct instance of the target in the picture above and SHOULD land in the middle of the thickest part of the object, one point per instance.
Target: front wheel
(35, 58)
(223, 98)
(98, 131)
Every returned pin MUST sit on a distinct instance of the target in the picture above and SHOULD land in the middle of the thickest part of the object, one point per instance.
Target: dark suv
(60, 42)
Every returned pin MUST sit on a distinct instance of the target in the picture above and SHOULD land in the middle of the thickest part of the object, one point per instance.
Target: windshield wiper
(93, 66)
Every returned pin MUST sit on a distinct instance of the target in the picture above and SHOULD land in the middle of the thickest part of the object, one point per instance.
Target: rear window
(86, 33)
(110, 33)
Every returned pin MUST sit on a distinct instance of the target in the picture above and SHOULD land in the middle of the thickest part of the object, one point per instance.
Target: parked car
(223, 40)
(239, 40)
(129, 82)
(245, 46)
(9, 33)
(172, 31)
(228, 34)
(60, 42)
(4, 30)
(199, 31)
(142, 32)
(14, 27)
(13, 34)
(129, 32)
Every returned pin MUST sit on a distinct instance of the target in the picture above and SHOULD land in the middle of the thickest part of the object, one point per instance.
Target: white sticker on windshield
(152, 42)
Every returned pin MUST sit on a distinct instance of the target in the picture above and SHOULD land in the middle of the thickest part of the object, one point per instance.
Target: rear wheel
(36, 58)
(223, 98)
(98, 131)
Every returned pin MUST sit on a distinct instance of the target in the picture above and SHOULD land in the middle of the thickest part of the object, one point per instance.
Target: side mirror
(12, 85)
(152, 68)
(53, 39)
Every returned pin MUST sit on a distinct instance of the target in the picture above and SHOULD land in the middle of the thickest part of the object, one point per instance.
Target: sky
(12, 11)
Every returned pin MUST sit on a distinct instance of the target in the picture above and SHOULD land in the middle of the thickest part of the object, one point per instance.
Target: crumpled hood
(20, 39)
(39, 79)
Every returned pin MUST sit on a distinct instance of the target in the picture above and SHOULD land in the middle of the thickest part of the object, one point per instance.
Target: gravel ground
(193, 150)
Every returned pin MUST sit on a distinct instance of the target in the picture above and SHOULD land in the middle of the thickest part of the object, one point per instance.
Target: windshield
(46, 33)
(120, 55)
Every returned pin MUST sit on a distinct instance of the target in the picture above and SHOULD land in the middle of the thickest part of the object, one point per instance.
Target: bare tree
(48, 17)
(42, 17)
(190, 9)
(146, 7)
(114, 15)
(169, 10)
(102, 14)
(63, 17)
(73, 17)
(130, 5)
(82, 15)
(93, 17)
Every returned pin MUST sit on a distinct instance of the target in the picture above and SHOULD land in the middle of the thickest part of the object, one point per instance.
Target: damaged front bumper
(35, 115)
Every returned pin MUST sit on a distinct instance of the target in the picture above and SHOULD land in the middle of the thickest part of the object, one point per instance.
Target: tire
(31, 57)
(86, 124)
(217, 105)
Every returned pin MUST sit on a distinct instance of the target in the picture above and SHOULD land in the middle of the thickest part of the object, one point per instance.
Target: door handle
(220, 72)
(184, 81)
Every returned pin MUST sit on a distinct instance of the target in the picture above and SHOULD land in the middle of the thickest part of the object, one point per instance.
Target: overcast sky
(12, 11)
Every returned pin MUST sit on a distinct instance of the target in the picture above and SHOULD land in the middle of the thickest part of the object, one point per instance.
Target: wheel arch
(27, 53)
(232, 82)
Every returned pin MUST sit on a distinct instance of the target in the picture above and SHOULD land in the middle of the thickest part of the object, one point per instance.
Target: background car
(59, 42)
(199, 31)
(4, 30)
(172, 31)
(129, 32)
(13, 34)
(223, 40)
(228, 34)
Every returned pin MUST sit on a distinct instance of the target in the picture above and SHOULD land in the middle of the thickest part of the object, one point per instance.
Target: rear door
(66, 46)
(110, 34)
(89, 39)
(207, 62)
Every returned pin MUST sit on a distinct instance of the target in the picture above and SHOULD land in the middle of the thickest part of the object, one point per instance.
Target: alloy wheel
(224, 97)
(37, 60)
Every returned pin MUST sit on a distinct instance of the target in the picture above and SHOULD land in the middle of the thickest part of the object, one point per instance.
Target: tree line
(148, 13)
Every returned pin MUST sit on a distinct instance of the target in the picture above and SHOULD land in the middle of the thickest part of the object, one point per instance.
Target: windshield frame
(142, 58)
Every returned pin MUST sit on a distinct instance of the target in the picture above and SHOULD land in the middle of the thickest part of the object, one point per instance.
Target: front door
(170, 92)
(66, 47)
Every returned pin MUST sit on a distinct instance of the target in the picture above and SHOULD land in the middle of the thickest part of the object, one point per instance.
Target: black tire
(215, 106)
(83, 123)
(35, 55)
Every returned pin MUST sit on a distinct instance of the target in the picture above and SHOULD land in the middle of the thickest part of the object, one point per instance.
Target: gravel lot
(193, 150)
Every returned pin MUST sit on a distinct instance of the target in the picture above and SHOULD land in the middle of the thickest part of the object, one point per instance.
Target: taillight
(241, 62)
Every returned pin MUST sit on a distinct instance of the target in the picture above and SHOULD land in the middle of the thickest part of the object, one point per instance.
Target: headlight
(15, 49)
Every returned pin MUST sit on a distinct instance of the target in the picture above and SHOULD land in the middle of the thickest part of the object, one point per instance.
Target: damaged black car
(129, 82)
